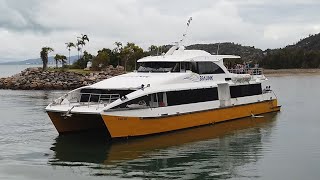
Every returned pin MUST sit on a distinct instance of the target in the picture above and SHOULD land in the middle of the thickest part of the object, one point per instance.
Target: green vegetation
(44, 56)
(304, 54)
(69, 46)
(61, 58)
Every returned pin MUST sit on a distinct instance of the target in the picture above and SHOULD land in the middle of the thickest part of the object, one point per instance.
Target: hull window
(191, 96)
(245, 90)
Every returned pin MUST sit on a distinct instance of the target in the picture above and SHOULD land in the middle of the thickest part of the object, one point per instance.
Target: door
(224, 94)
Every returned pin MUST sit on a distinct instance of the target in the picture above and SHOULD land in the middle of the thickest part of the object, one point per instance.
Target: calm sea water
(9, 70)
(280, 145)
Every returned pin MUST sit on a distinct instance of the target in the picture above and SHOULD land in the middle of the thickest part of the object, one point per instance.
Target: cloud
(26, 26)
(19, 16)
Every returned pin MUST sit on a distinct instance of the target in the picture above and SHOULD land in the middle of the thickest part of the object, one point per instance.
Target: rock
(35, 78)
(33, 85)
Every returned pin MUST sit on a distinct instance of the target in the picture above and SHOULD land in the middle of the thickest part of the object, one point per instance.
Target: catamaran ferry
(177, 90)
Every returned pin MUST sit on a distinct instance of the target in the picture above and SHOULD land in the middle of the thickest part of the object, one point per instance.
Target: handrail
(87, 99)
(251, 71)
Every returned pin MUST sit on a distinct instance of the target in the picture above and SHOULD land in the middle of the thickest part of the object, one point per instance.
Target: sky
(28, 25)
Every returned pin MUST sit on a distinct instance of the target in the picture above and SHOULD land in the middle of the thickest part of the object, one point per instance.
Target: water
(9, 70)
(281, 145)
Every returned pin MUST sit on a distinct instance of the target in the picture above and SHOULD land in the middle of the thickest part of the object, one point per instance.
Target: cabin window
(94, 95)
(152, 100)
(191, 96)
(141, 102)
(209, 68)
(183, 67)
(245, 90)
(159, 67)
(192, 66)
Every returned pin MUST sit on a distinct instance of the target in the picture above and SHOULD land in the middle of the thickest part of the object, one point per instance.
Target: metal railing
(87, 99)
(92, 98)
(251, 71)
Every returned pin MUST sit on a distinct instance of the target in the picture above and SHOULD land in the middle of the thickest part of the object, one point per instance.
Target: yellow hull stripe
(120, 126)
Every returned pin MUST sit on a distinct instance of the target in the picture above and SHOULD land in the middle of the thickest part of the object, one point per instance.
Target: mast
(179, 44)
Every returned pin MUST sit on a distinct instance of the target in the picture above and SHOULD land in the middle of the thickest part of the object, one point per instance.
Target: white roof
(187, 55)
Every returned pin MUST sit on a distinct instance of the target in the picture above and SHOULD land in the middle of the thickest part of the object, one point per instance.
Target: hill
(247, 53)
(310, 43)
(303, 54)
(37, 61)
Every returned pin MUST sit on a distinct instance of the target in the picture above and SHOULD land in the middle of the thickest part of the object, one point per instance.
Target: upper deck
(187, 56)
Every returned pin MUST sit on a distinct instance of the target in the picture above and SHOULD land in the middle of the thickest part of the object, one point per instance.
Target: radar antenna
(180, 43)
(184, 35)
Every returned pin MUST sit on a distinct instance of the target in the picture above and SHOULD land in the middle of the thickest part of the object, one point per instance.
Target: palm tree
(56, 58)
(61, 58)
(80, 44)
(69, 46)
(84, 37)
(81, 41)
(44, 56)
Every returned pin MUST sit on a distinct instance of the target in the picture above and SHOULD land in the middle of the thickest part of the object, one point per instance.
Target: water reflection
(205, 152)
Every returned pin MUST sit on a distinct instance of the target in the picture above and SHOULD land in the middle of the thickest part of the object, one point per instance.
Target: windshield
(159, 67)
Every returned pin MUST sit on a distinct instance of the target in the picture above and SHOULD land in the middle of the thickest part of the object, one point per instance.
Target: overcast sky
(27, 25)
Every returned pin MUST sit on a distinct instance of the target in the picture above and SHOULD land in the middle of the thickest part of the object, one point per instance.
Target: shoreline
(35, 79)
(290, 72)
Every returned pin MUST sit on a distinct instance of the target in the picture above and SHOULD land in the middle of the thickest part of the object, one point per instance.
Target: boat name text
(206, 78)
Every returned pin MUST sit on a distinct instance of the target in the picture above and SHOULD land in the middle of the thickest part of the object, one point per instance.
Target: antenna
(218, 48)
(179, 43)
(184, 35)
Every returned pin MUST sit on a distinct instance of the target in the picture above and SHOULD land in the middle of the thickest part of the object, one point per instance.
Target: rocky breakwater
(36, 79)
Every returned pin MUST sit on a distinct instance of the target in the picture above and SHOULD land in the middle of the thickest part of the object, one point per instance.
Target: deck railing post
(89, 100)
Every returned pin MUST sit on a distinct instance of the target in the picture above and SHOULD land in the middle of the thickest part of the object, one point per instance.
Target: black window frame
(190, 96)
(245, 90)
(208, 67)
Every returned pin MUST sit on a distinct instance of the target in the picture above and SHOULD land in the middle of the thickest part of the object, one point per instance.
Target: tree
(116, 52)
(61, 58)
(153, 50)
(102, 59)
(82, 62)
(80, 45)
(130, 54)
(81, 41)
(69, 46)
(44, 56)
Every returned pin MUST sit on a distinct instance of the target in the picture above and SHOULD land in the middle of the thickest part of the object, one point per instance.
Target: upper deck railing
(251, 71)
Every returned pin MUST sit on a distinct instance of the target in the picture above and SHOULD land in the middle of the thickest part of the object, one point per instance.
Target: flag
(189, 21)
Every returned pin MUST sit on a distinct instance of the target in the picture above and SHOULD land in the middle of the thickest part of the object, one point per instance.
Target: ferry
(176, 90)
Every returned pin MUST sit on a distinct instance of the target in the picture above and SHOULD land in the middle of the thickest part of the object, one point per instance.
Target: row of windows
(197, 67)
(173, 98)
(191, 96)
(245, 90)
(93, 95)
